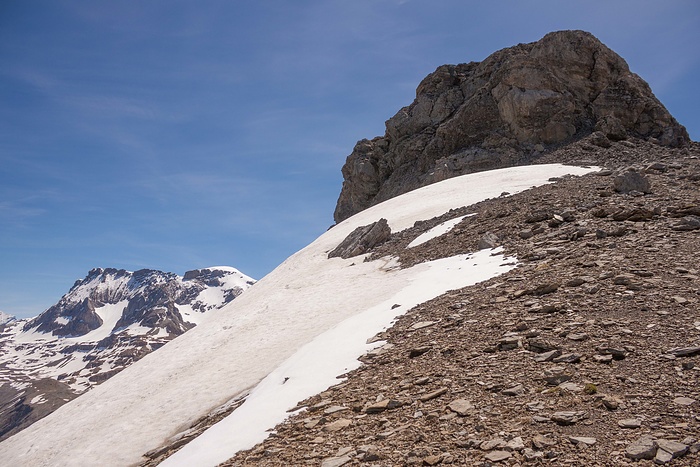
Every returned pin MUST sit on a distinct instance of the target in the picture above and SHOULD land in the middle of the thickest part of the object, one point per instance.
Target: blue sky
(177, 135)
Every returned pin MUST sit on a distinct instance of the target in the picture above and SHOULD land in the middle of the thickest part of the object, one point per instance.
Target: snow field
(238, 346)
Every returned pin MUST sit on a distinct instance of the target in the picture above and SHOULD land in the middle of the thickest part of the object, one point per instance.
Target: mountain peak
(106, 321)
(509, 109)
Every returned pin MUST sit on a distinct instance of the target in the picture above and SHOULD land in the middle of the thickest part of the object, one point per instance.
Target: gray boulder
(362, 239)
(631, 180)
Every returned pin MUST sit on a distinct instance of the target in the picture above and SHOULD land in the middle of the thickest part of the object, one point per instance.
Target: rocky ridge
(107, 321)
(507, 110)
(585, 354)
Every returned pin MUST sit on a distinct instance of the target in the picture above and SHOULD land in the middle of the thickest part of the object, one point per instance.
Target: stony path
(586, 354)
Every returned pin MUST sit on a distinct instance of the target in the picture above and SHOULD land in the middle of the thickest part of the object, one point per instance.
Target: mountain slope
(586, 353)
(107, 321)
(309, 294)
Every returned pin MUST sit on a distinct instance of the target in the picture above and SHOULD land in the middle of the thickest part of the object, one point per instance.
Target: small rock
(631, 423)
(683, 401)
(662, 457)
(498, 456)
(531, 455)
(603, 358)
(567, 417)
(680, 300)
(433, 395)
(370, 455)
(362, 239)
(568, 358)
(337, 425)
(611, 403)
(583, 440)
(542, 442)
(422, 324)
(631, 180)
(487, 241)
(674, 448)
(343, 451)
(461, 406)
(577, 336)
(571, 387)
(556, 375)
(643, 448)
(334, 408)
(515, 444)
(381, 406)
(509, 343)
(687, 223)
(432, 460)
(540, 346)
(496, 443)
(514, 391)
(335, 461)
(547, 356)
(617, 354)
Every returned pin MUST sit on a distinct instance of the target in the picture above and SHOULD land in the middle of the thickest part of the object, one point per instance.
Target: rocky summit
(509, 109)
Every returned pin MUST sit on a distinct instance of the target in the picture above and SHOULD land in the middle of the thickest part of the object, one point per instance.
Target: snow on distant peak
(5, 318)
(104, 323)
(263, 333)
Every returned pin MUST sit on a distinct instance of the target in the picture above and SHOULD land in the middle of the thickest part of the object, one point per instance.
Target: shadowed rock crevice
(507, 110)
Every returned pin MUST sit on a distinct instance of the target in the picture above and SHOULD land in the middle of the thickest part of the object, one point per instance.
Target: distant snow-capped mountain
(107, 321)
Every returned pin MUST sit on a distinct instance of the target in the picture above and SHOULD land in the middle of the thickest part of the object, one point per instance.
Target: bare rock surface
(362, 239)
(479, 392)
(509, 109)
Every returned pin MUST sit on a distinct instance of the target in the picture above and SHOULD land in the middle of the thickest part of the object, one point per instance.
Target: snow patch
(239, 345)
(437, 231)
(110, 315)
(38, 399)
(316, 365)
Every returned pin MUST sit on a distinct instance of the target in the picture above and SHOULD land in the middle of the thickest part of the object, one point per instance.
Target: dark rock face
(505, 111)
(362, 239)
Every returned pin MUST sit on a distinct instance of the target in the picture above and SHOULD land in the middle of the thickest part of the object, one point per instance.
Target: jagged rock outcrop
(362, 239)
(507, 110)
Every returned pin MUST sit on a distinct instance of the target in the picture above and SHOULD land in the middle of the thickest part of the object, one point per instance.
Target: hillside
(155, 401)
(512, 280)
(584, 354)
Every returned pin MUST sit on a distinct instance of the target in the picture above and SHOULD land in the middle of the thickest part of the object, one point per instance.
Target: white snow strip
(237, 346)
(110, 314)
(438, 230)
(38, 399)
(315, 366)
(62, 320)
